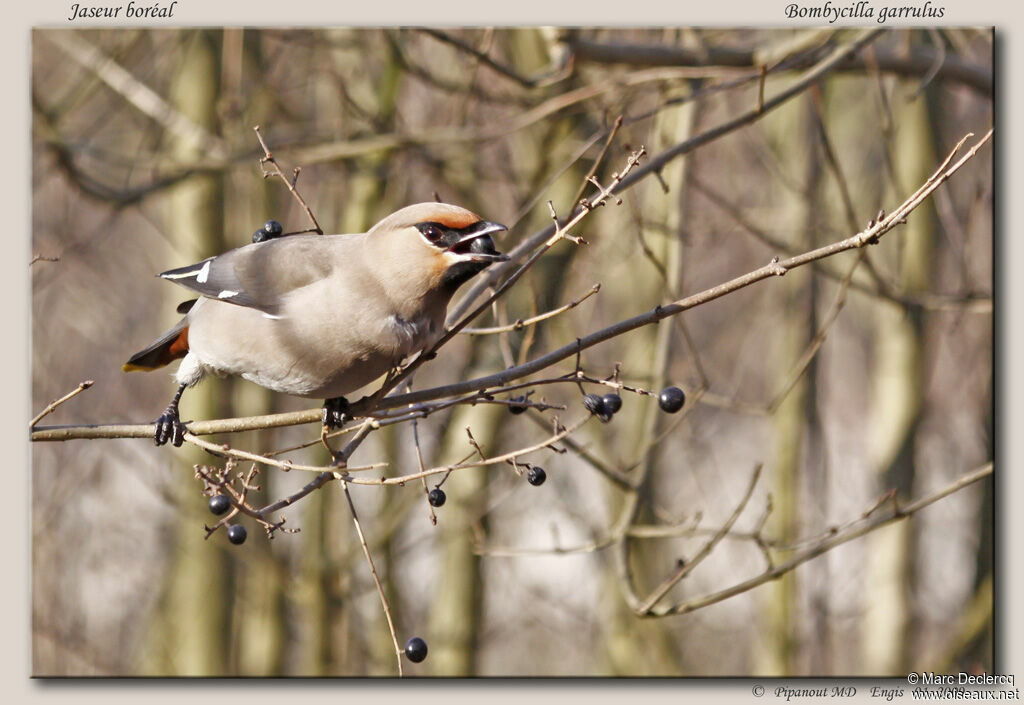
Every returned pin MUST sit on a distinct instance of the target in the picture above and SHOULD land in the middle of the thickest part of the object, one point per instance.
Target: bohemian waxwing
(321, 315)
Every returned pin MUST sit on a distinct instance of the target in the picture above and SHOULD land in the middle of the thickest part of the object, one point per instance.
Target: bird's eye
(430, 231)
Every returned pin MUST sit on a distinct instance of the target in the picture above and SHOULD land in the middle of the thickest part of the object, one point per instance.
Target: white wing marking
(204, 273)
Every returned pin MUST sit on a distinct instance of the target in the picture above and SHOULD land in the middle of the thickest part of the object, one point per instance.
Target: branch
(685, 568)
(919, 61)
(43, 258)
(869, 521)
(57, 402)
(897, 513)
(657, 163)
(135, 92)
(484, 59)
(376, 578)
(268, 157)
(522, 323)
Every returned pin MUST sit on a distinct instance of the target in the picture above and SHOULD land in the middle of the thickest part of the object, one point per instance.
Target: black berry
(483, 246)
(671, 399)
(219, 504)
(260, 236)
(236, 534)
(517, 405)
(436, 497)
(416, 649)
(612, 403)
(594, 404)
(272, 228)
(536, 476)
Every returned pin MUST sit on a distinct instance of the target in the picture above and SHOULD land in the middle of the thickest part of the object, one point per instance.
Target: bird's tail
(171, 346)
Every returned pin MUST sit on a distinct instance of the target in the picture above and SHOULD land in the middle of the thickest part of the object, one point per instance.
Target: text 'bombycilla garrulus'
(321, 315)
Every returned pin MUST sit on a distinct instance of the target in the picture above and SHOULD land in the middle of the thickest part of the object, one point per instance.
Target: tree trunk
(191, 634)
(898, 391)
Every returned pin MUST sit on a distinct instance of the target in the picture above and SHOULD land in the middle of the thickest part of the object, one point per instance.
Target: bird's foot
(169, 426)
(335, 412)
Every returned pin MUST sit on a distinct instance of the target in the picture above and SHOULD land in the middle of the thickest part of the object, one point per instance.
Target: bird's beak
(481, 246)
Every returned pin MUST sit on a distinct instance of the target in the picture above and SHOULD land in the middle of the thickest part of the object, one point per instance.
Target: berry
(219, 504)
(436, 497)
(483, 245)
(416, 649)
(671, 399)
(272, 228)
(518, 405)
(596, 405)
(260, 236)
(236, 534)
(612, 403)
(536, 476)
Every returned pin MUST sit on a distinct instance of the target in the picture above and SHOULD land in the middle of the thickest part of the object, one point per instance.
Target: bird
(319, 316)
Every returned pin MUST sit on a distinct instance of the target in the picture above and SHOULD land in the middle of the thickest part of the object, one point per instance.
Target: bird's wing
(260, 275)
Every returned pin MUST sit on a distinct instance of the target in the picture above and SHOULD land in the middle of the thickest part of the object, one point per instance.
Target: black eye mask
(473, 239)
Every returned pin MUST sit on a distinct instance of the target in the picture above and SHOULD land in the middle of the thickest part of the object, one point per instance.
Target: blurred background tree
(860, 374)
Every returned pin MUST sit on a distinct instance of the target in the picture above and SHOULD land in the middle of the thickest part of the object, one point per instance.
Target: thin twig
(376, 578)
(920, 61)
(268, 157)
(973, 302)
(600, 158)
(483, 58)
(82, 386)
(836, 539)
(222, 449)
(685, 568)
(819, 338)
(461, 465)
(422, 468)
(523, 322)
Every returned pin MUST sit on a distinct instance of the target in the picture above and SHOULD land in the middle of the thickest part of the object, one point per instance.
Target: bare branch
(268, 157)
(376, 578)
(836, 539)
(522, 323)
(82, 386)
(685, 567)
(135, 92)
(922, 60)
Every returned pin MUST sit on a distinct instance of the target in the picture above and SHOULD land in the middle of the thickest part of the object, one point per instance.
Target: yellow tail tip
(129, 367)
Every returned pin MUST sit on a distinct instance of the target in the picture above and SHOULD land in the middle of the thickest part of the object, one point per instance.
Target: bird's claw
(169, 428)
(335, 412)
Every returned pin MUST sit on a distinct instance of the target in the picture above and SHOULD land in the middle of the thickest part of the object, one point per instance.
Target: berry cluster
(220, 504)
(269, 231)
(604, 407)
(670, 400)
